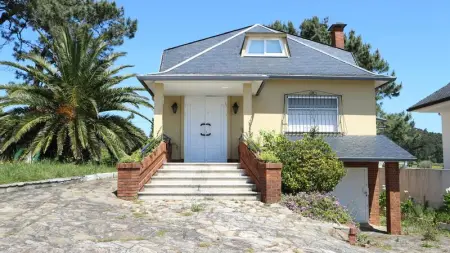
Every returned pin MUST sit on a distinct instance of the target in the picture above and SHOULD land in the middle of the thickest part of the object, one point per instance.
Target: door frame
(186, 141)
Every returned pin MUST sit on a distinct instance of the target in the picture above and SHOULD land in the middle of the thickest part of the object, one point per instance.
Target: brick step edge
(21, 186)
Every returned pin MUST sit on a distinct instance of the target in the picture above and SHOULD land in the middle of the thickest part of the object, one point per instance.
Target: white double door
(205, 129)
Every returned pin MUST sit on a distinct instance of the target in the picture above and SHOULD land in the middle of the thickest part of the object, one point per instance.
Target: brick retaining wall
(133, 176)
(266, 176)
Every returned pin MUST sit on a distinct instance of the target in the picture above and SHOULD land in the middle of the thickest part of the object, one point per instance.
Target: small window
(265, 47)
(307, 112)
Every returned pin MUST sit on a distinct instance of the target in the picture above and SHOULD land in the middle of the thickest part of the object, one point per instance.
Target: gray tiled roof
(365, 148)
(438, 96)
(175, 55)
(307, 58)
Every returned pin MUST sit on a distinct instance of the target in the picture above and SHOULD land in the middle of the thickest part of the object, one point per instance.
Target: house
(211, 91)
(438, 102)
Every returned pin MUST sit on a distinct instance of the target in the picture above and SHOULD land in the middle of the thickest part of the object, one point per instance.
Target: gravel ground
(87, 217)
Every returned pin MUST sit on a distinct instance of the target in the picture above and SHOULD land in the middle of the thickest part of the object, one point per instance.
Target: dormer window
(265, 47)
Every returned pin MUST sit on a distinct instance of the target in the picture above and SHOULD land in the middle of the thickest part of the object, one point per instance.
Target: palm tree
(73, 112)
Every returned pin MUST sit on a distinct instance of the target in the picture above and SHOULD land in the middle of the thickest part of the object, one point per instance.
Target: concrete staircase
(199, 181)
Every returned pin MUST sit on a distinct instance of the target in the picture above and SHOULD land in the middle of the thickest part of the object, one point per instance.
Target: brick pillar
(374, 193)
(270, 182)
(393, 213)
(128, 180)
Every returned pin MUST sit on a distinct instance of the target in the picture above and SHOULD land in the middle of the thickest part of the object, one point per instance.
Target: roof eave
(421, 106)
(245, 77)
(201, 77)
(145, 86)
(376, 159)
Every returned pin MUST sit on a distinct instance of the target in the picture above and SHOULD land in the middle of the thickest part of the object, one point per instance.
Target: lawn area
(21, 172)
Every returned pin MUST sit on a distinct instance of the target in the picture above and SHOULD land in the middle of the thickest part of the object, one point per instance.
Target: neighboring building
(438, 102)
(208, 92)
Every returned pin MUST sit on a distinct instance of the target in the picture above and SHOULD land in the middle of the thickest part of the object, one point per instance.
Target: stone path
(87, 217)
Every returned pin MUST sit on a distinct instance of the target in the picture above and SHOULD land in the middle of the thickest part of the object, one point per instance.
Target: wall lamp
(174, 107)
(235, 108)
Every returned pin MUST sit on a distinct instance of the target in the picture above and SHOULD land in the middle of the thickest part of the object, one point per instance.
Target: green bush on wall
(309, 164)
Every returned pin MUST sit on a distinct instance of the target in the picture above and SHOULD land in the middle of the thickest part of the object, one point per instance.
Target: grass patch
(204, 244)
(139, 214)
(24, 172)
(161, 233)
(197, 208)
(186, 214)
(121, 217)
(426, 245)
(105, 240)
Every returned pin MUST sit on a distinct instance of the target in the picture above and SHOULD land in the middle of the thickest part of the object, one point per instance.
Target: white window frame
(313, 97)
(282, 45)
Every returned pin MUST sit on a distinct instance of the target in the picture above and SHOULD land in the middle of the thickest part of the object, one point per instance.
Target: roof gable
(439, 96)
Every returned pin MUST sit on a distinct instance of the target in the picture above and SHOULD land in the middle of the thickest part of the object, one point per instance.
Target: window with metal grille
(305, 112)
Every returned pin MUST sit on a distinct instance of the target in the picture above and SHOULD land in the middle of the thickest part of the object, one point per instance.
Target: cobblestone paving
(87, 217)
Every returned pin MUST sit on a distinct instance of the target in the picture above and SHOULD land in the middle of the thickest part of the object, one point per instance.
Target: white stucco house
(209, 92)
(438, 102)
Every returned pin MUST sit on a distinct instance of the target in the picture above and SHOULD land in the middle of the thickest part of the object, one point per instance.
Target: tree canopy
(73, 112)
(26, 22)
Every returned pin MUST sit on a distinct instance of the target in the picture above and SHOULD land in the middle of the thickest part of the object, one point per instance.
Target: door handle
(202, 134)
(208, 134)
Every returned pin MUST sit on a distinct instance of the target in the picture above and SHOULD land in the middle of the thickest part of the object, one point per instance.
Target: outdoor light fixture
(235, 107)
(174, 107)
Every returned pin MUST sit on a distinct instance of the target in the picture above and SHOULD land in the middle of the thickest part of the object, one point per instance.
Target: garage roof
(365, 148)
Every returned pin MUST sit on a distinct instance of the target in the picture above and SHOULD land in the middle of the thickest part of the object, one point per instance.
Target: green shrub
(446, 204)
(318, 206)
(382, 199)
(252, 143)
(425, 164)
(135, 157)
(443, 216)
(268, 157)
(407, 207)
(431, 233)
(138, 155)
(309, 164)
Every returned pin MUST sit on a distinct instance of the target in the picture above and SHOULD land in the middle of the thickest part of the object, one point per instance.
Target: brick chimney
(337, 35)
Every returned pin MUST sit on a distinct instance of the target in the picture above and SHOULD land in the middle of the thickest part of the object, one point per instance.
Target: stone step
(207, 185)
(199, 181)
(202, 166)
(181, 180)
(198, 189)
(203, 195)
(201, 172)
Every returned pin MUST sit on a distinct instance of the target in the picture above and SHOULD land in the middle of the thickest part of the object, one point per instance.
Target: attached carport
(367, 152)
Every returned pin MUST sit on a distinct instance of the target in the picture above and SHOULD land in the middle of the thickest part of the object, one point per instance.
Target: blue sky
(413, 36)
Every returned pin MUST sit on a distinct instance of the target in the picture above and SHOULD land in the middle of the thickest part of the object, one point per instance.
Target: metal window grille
(305, 112)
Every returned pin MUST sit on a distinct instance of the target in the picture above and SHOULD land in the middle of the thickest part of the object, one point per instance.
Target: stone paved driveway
(87, 217)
